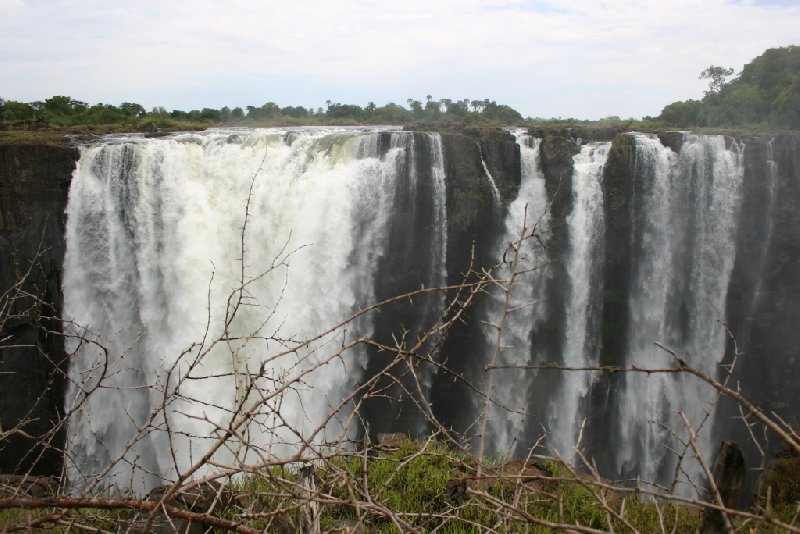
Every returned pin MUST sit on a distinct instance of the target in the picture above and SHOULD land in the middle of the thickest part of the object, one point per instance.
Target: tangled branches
(250, 464)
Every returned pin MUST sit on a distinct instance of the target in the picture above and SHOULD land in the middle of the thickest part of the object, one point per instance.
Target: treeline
(765, 93)
(67, 111)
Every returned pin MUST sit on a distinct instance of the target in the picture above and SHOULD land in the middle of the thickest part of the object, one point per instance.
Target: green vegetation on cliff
(766, 92)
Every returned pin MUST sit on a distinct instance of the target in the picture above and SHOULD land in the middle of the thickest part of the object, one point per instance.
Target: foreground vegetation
(431, 488)
(396, 485)
(424, 487)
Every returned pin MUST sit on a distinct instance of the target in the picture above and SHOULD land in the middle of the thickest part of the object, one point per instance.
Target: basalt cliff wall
(761, 303)
(34, 183)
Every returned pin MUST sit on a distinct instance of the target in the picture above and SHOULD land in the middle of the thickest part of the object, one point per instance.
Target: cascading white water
(584, 272)
(684, 247)
(526, 223)
(498, 203)
(438, 237)
(157, 260)
(772, 190)
(583, 264)
(685, 208)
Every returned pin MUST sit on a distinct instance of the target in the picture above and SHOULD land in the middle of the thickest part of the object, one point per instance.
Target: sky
(548, 58)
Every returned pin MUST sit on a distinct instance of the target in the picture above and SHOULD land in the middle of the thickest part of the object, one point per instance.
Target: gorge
(213, 256)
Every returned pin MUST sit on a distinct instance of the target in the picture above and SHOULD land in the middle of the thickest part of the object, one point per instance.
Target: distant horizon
(546, 59)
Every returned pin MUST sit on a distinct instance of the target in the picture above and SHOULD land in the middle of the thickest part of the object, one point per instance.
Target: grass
(412, 483)
(107, 520)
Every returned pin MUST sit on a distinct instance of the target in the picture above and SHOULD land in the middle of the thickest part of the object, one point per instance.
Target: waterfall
(584, 267)
(199, 265)
(683, 227)
(205, 273)
(490, 180)
(684, 243)
(583, 264)
(526, 226)
(772, 192)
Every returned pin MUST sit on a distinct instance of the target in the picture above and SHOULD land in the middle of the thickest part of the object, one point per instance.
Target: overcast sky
(553, 58)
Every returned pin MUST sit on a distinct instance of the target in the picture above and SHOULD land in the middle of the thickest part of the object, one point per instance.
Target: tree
(457, 108)
(179, 114)
(432, 108)
(294, 111)
(104, 114)
(786, 107)
(717, 78)
(132, 109)
(60, 106)
(210, 115)
(270, 110)
(391, 113)
(18, 111)
(415, 106)
(501, 113)
(742, 104)
(761, 94)
(682, 114)
(345, 111)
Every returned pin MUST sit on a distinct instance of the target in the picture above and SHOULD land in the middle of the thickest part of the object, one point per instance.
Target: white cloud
(558, 57)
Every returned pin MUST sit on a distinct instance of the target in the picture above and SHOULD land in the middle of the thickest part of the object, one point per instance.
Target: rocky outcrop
(618, 187)
(204, 498)
(34, 181)
(472, 216)
(762, 310)
(728, 480)
(472, 226)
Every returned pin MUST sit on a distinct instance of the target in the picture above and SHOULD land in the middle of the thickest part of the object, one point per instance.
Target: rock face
(762, 305)
(473, 222)
(759, 311)
(204, 498)
(761, 308)
(729, 475)
(34, 181)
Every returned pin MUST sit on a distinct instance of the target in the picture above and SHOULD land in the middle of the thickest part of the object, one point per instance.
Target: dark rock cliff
(762, 308)
(472, 227)
(34, 181)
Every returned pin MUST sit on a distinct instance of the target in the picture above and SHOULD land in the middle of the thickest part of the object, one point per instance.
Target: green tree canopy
(717, 78)
(766, 92)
